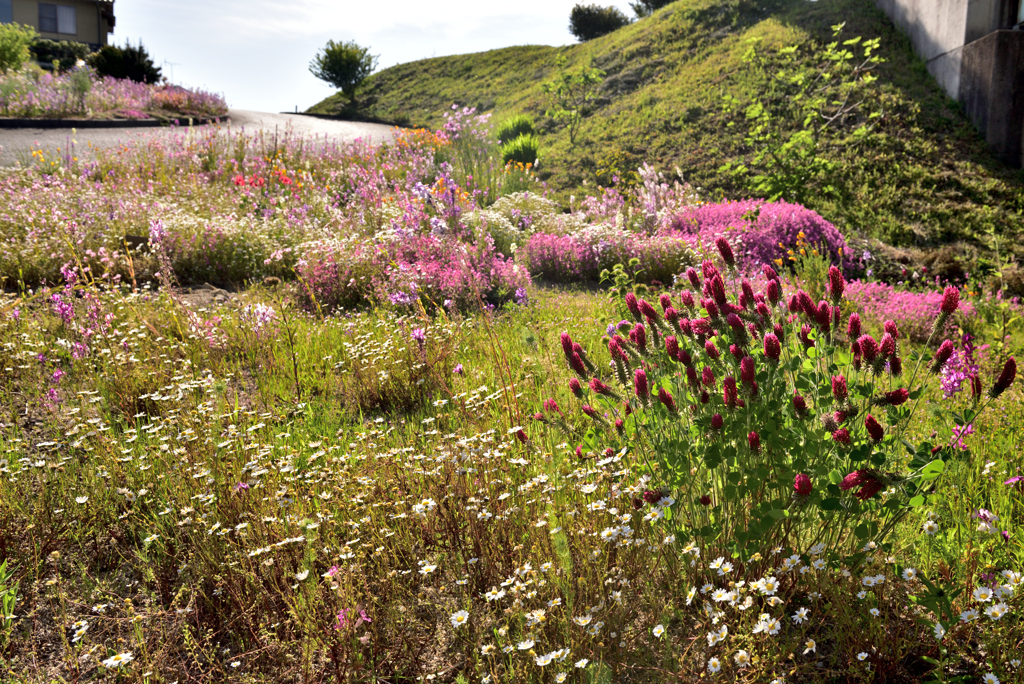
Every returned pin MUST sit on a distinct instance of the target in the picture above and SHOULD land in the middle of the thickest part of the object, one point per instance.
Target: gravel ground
(16, 145)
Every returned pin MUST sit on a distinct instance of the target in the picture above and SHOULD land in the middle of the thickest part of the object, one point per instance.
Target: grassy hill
(923, 179)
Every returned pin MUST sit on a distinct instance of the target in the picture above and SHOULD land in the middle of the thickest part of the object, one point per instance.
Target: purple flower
(1014, 481)
(241, 486)
(420, 335)
(458, 369)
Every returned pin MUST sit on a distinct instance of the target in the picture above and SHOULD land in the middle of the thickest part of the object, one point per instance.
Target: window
(6, 12)
(57, 19)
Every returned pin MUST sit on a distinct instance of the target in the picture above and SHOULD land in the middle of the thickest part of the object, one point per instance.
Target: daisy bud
(686, 298)
(665, 398)
(640, 385)
(1005, 379)
(748, 373)
(799, 405)
(774, 292)
(890, 327)
(853, 327)
(754, 440)
(633, 305)
(729, 392)
(897, 397)
(836, 284)
(672, 347)
(839, 388)
(711, 350)
(802, 485)
(875, 429)
(576, 388)
(769, 272)
(950, 300)
(842, 436)
(772, 347)
(942, 355)
(868, 347)
(666, 302)
(717, 421)
(708, 377)
(726, 251)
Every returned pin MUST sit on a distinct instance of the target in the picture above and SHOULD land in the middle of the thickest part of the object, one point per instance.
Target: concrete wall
(92, 28)
(993, 92)
(936, 29)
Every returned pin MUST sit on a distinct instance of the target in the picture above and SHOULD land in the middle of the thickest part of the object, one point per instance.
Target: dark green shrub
(65, 52)
(645, 8)
(514, 126)
(587, 22)
(131, 61)
(343, 65)
(523, 149)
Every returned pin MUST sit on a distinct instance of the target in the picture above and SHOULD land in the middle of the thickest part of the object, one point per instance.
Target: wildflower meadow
(281, 409)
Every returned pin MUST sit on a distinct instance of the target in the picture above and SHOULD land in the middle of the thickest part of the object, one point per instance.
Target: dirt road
(16, 145)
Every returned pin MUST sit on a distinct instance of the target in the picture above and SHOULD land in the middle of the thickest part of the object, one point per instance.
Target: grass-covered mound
(922, 178)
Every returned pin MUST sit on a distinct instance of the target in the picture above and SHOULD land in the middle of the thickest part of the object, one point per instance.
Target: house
(84, 21)
(975, 50)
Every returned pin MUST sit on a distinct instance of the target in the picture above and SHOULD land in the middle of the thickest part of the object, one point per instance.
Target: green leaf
(830, 504)
(778, 514)
(916, 501)
(933, 470)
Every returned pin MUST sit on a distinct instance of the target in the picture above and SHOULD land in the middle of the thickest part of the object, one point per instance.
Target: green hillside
(922, 179)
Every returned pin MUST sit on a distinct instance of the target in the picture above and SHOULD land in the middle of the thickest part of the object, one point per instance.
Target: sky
(257, 52)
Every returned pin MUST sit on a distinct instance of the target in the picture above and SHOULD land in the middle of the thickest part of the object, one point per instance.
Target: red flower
(836, 284)
(754, 440)
(640, 384)
(839, 389)
(632, 305)
(842, 436)
(576, 388)
(726, 251)
(748, 373)
(729, 393)
(950, 300)
(772, 347)
(1005, 379)
(716, 421)
(875, 429)
(566, 344)
(599, 387)
(665, 398)
(802, 485)
(897, 396)
(853, 327)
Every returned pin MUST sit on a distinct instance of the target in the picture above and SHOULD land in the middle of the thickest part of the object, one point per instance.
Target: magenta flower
(747, 371)
(839, 389)
(632, 305)
(897, 397)
(1005, 379)
(599, 387)
(666, 398)
(841, 436)
(726, 251)
(640, 384)
(950, 300)
(241, 486)
(875, 429)
(853, 327)
(576, 388)
(836, 284)
(772, 348)
(754, 441)
(717, 421)
(802, 485)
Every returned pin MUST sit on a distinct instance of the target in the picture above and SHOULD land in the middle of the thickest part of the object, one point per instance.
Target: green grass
(924, 178)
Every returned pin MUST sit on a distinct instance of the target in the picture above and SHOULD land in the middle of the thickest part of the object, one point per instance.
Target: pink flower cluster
(582, 256)
(913, 312)
(765, 229)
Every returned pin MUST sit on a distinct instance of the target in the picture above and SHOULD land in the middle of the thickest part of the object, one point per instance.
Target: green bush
(343, 65)
(131, 61)
(14, 43)
(587, 22)
(645, 8)
(65, 52)
(514, 126)
(522, 149)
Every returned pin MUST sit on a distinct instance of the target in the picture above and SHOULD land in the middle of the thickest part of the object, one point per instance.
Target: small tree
(645, 8)
(587, 22)
(131, 62)
(14, 42)
(343, 65)
(571, 94)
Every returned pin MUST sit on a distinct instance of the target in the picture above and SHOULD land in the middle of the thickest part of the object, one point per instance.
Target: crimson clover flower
(802, 484)
(772, 347)
(754, 440)
(1005, 379)
(726, 251)
(950, 300)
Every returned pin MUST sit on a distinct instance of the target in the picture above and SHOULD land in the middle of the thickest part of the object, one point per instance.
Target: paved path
(16, 145)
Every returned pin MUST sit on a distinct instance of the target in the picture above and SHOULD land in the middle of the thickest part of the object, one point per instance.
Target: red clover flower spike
(640, 385)
(875, 429)
(712, 350)
(802, 485)
(666, 302)
(890, 328)
(1005, 379)
(887, 346)
(836, 284)
(717, 422)
(566, 345)
(647, 310)
(868, 347)
(799, 405)
(576, 388)
(599, 387)
(726, 251)
(772, 347)
(639, 336)
(853, 327)
(942, 355)
(633, 305)
(665, 398)
(729, 391)
(754, 440)
(774, 292)
(841, 436)
(691, 275)
(769, 272)
(950, 300)
(672, 347)
(839, 389)
(897, 397)
(576, 363)
(686, 297)
(748, 373)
